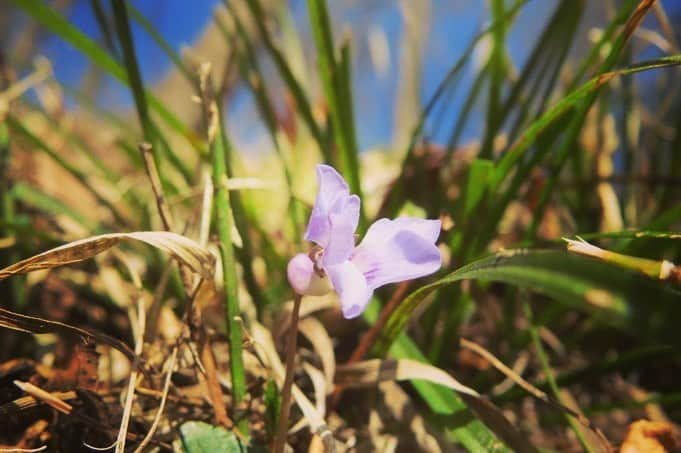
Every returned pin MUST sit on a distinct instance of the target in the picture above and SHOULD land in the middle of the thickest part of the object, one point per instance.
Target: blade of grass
(396, 199)
(336, 80)
(497, 71)
(104, 27)
(58, 25)
(150, 131)
(575, 126)
(13, 289)
(513, 156)
(76, 172)
(252, 73)
(464, 427)
(223, 209)
(546, 368)
(174, 57)
(614, 296)
(286, 73)
(31, 196)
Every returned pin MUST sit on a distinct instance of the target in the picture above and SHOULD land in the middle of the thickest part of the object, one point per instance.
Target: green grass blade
(396, 199)
(58, 25)
(513, 156)
(471, 432)
(31, 196)
(610, 293)
(223, 209)
(82, 177)
(104, 26)
(336, 80)
(149, 28)
(551, 380)
(575, 126)
(252, 73)
(497, 74)
(14, 290)
(286, 73)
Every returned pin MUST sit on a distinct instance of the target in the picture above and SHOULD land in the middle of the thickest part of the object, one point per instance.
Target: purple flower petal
(343, 220)
(332, 186)
(352, 288)
(397, 250)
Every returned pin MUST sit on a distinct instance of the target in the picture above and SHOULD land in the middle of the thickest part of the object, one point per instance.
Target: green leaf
(461, 423)
(272, 408)
(623, 299)
(200, 437)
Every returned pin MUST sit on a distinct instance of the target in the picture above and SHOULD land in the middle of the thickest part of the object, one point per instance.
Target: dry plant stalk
(48, 398)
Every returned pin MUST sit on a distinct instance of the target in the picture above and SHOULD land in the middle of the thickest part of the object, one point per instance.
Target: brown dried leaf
(371, 372)
(185, 250)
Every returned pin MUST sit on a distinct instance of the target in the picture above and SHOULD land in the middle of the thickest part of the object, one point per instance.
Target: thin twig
(156, 186)
(282, 425)
(130, 396)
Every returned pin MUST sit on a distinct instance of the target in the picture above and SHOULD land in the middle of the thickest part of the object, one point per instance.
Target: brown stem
(282, 425)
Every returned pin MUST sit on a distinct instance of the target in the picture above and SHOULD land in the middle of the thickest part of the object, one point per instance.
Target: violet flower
(391, 251)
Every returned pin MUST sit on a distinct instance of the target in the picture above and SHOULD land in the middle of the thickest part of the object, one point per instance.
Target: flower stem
(282, 425)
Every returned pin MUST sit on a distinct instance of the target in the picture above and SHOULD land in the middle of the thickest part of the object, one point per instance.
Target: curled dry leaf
(371, 372)
(185, 250)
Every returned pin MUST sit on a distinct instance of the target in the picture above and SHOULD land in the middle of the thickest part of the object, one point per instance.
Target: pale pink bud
(304, 279)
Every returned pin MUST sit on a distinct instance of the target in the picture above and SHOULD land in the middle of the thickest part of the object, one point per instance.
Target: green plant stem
(223, 210)
(282, 425)
(550, 379)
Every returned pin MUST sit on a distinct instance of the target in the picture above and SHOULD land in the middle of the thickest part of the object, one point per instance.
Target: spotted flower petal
(352, 288)
(397, 250)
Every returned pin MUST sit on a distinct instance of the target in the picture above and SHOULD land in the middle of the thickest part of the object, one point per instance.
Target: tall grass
(548, 164)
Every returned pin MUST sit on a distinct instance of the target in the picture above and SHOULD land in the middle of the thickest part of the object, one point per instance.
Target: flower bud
(303, 278)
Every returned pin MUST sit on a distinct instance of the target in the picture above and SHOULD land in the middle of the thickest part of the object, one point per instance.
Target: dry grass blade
(320, 390)
(44, 396)
(531, 389)
(132, 380)
(371, 372)
(35, 325)
(28, 402)
(317, 335)
(23, 450)
(185, 250)
(164, 396)
(264, 347)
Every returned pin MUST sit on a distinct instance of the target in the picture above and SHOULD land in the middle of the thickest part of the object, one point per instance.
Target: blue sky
(452, 26)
